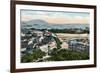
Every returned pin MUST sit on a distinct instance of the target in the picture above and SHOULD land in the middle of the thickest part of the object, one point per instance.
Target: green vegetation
(37, 53)
(56, 55)
(58, 42)
(73, 30)
(65, 55)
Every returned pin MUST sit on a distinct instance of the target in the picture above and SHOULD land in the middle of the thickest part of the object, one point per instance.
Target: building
(77, 45)
(37, 32)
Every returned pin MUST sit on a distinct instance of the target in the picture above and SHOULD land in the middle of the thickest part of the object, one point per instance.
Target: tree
(58, 42)
(37, 53)
(64, 54)
(27, 58)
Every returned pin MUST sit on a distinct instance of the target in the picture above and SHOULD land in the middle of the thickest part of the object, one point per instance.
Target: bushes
(56, 55)
(65, 55)
(26, 58)
(37, 53)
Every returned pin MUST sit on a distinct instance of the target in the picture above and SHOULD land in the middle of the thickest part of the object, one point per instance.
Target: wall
(5, 36)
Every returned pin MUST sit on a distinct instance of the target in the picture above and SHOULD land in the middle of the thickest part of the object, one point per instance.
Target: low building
(78, 45)
(37, 32)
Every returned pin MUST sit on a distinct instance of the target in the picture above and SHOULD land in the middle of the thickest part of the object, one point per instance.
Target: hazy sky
(57, 17)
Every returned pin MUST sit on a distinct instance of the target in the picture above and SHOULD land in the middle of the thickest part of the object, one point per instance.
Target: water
(57, 26)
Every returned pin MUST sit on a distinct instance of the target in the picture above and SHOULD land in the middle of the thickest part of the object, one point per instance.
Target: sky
(56, 17)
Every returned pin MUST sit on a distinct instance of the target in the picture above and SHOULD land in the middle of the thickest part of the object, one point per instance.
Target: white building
(39, 33)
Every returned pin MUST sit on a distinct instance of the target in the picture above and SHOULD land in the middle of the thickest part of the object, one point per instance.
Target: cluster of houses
(79, 45)
(37, 39)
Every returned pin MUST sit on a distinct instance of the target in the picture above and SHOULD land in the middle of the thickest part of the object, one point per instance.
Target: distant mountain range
(40, 24)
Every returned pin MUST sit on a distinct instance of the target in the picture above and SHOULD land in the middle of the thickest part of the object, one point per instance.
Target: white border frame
(52, 64)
